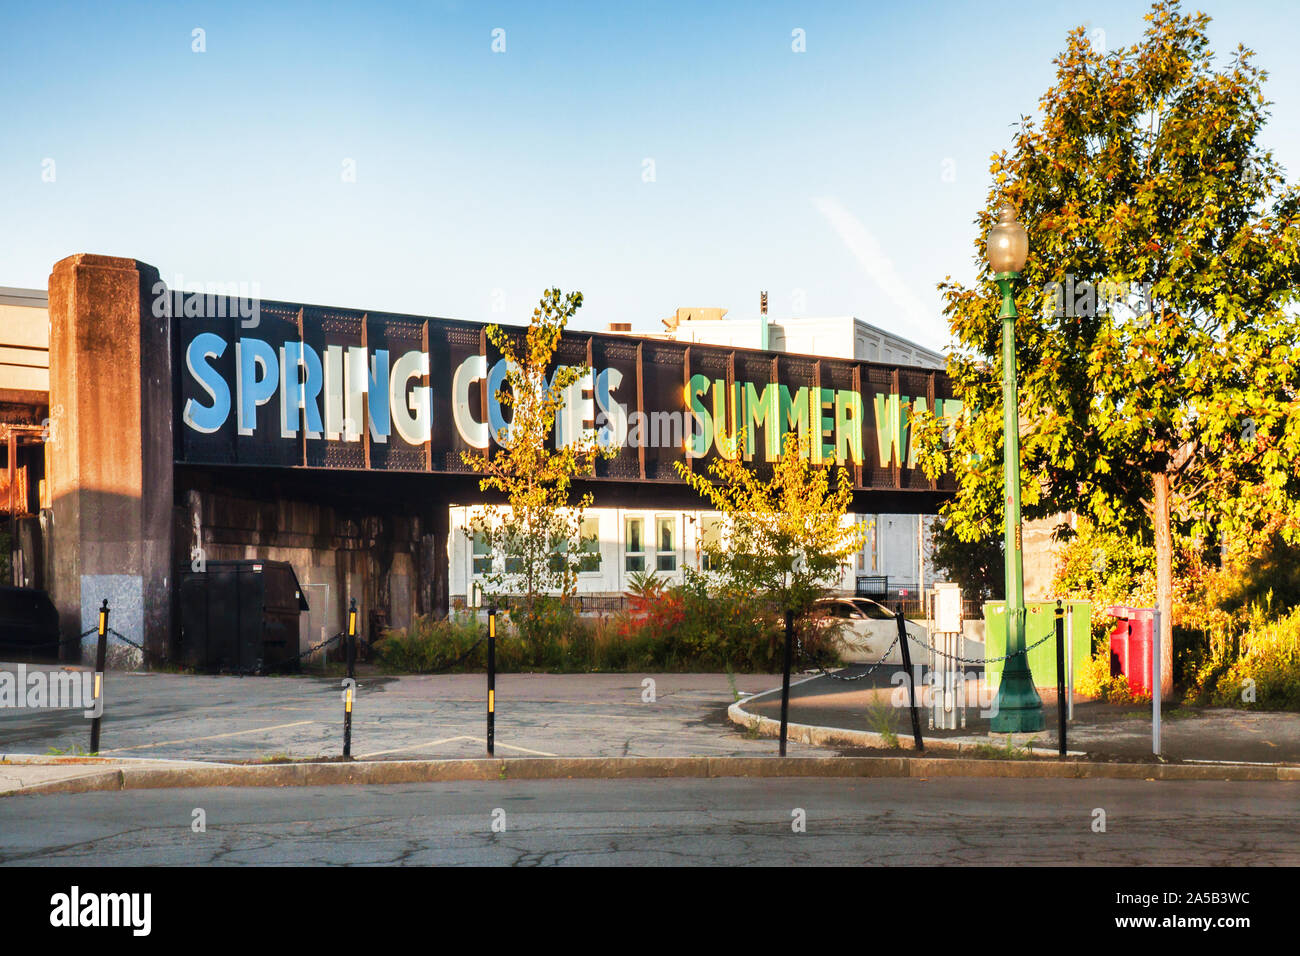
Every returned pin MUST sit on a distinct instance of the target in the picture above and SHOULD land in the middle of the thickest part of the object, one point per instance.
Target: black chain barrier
(929, 647)
(261, 670)
(981, 660)
(32, 647)
(866, 673)
(869, 670)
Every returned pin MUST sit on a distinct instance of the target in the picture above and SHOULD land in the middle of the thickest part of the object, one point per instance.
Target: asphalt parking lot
(269, 718)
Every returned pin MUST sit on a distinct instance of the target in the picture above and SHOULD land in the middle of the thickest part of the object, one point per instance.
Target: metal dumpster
(240, 616)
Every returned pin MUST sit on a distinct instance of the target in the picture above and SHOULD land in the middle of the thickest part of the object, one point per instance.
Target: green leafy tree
(1158, 347)
(976, 566)
(537, 531)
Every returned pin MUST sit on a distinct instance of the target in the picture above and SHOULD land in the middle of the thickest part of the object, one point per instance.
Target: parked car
(867, 629)
(29, 623)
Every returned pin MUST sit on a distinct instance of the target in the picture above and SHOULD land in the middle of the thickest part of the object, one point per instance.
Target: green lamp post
(1019, 708)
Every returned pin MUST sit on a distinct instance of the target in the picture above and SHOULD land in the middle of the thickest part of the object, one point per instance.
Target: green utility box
(1040, 621)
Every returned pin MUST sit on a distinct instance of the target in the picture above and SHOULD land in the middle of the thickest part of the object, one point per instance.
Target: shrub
(1096, 681)
(679, 628)
(431, 645)
(1267, 653)
(687, 628)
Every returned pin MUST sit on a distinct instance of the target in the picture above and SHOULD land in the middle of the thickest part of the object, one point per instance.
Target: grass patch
(1007, 752)
(882, 720)
(73, 751)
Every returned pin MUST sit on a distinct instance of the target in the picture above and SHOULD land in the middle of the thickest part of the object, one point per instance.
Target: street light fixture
(1019, 708)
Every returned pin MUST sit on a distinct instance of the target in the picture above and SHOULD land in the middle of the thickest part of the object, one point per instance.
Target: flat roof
(35, 298)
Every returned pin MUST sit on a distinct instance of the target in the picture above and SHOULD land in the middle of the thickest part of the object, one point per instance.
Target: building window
(710, 537)
(634, 544)
(666, 544)
(875, 544)
(482, 553)
(589, 538)
(555, 560)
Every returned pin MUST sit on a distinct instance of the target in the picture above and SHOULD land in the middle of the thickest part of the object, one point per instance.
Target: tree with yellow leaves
(785, 537)
(538, 529)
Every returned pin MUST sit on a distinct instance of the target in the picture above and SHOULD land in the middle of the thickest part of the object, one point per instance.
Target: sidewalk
(167, 730)
(1099, 731)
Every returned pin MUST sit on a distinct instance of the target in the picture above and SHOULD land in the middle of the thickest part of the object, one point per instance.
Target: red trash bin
(1131, 644)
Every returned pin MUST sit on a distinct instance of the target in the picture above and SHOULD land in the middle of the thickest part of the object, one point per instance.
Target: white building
(666, 541)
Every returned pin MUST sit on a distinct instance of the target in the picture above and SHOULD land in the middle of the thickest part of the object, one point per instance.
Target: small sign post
(1155, 681)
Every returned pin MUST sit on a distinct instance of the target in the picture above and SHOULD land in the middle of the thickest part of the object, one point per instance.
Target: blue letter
(204, 346)
(252, 391)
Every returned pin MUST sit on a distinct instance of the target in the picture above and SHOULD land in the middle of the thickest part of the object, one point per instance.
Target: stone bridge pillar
(111, 449)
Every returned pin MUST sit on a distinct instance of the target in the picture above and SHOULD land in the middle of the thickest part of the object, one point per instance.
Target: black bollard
(785, 676)
(911, 679)
(1060, 675)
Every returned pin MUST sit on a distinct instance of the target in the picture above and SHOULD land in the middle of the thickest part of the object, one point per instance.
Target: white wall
(894, 546)
(840, 336)
(612, 578)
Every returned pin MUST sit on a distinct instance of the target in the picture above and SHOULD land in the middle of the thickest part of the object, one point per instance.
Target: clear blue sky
(478, 171)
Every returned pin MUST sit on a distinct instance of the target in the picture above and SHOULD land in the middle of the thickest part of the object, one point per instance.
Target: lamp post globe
(1019, 708)
(1008, 245)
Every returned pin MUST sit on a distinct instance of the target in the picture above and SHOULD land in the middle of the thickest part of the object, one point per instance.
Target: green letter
(703, 438)
(794, 414)
(848, 426)
(762, 410)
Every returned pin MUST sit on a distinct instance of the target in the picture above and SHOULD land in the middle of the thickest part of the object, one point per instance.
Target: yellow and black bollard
(101, 652)
(785, 677)
(350, 683)
(492, 678)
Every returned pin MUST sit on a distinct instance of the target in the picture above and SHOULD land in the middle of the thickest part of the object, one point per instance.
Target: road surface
(732, 822)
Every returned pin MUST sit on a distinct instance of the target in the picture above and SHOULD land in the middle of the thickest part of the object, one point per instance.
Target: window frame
(674, 522)
(628, 554)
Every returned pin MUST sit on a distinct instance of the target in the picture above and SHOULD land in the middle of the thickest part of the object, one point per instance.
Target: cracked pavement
(732, 822)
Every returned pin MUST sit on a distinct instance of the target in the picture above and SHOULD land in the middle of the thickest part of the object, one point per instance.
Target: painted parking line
(589, 716)
(194, 740)
(423, 746)
(447, 740)
(522, 750)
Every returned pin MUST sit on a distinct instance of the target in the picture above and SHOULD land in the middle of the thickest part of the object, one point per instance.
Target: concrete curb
(980, 767)
(623, 768)
(815, 736)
